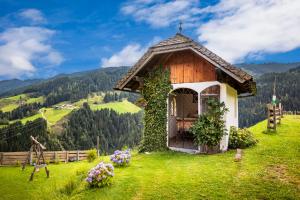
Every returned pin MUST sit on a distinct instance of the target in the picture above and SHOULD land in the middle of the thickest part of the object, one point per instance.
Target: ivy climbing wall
(155, 91)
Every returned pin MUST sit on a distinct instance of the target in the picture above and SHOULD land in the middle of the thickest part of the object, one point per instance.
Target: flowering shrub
(241, 138)
(209, 128)
(100, 175)
(121, 158)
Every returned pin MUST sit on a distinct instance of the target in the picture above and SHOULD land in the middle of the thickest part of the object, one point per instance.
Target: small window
(208, 93)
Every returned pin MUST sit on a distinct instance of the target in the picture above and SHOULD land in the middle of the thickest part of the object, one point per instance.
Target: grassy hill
(54, 115)
(120, 107)
(269, 170)
(9, 103)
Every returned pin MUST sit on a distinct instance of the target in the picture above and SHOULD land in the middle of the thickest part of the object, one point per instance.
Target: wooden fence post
(274, 117)
(30, 158)
(269, 115)
(67, 157)
(77, 155)
(97, 146)
(55, 156)
(1, 159)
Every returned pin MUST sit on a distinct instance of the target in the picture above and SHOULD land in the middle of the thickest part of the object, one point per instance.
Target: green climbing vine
(155, 92)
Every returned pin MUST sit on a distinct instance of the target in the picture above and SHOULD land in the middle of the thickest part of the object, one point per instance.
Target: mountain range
(260, 69)
(13, 86)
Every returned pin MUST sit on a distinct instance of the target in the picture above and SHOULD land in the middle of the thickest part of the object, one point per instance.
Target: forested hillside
(15, 137)
(13, 84)
(74, 87)
(260, 69)
(80, 132)
(253, 109)
(115, 130)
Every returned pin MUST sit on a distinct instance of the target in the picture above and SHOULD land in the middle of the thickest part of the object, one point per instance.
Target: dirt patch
(280, 172)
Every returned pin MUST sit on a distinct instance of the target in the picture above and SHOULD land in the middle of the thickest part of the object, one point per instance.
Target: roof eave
(189, 47)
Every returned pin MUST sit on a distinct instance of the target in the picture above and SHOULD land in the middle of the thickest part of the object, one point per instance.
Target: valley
(58, 111)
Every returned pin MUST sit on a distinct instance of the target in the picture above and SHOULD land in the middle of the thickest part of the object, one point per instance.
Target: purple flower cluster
(121, 158)
(100, 175)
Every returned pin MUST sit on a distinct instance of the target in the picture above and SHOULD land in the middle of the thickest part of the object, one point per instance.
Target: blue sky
(44, 38)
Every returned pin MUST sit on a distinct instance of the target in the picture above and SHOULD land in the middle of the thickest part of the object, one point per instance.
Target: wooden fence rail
(296, 112)
(15, 158)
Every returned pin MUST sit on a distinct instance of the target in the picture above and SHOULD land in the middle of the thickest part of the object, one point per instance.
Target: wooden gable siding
(187, 67)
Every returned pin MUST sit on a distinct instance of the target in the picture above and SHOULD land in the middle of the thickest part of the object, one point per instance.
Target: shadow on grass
(269, 132)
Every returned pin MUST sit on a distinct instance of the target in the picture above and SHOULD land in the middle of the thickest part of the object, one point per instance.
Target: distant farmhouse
(196, 74)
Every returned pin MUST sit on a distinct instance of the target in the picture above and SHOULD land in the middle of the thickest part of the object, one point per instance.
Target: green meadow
(10, 103)
(120, 107)
(269, 170)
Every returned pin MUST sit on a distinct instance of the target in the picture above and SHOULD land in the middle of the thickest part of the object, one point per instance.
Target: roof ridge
(180, 41)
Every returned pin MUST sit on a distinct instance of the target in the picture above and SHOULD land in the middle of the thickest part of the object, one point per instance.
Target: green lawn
(17, 97)
(36, 100)
(54, 115)
(269, 170)
(120, 107)
(94, 98)
(31, 118)
(9, 107)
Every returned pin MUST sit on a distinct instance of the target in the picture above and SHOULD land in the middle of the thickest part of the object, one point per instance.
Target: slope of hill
(253, 109)
(10, 103)
(269, 170)
(259, 69)
(74, 86)
(13, 84)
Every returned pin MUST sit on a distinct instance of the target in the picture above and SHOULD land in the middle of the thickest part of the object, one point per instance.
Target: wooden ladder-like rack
(38, 149)
(274, 115)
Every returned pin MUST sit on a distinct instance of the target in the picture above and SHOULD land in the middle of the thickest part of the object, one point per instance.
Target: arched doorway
(183, 112)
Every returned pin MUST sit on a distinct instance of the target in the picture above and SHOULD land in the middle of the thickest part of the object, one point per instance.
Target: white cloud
(33, 15)
(159, 13)
(251, 27)
(128, 56)
(23, 47)
(233, 29)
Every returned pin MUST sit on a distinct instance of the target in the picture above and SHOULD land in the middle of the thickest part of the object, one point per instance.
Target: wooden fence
(16, 158)
(291, 112)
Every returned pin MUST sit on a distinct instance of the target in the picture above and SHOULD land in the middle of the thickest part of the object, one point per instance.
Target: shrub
(18, 163)
(209, 128)
(70, 186)
(47, 161)
(81, 173)
(92, 155)
(121, 158)
(241, 138)
(100, 175)
(56, 160)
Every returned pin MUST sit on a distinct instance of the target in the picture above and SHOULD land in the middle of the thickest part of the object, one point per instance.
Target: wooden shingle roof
(180, 42)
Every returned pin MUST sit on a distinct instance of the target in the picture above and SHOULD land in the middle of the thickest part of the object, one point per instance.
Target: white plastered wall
(230, 97)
